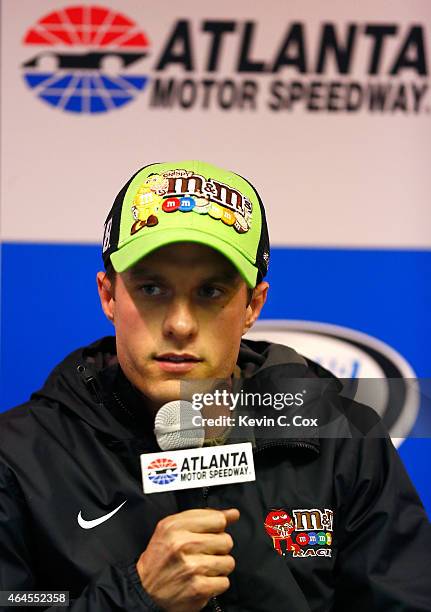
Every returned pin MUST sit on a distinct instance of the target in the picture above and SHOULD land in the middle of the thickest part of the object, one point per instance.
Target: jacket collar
(85, 380)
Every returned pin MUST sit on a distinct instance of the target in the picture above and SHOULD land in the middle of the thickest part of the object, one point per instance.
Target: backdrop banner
(324, 107)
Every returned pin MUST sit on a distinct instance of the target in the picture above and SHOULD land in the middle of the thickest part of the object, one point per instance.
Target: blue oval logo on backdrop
(351, 354)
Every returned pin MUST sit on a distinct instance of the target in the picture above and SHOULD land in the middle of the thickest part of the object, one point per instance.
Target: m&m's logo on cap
(182, 191)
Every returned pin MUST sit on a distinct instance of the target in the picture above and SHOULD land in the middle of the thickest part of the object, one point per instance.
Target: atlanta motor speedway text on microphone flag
(196, 467)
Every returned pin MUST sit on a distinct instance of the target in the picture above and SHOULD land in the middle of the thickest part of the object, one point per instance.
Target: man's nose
(180, 320)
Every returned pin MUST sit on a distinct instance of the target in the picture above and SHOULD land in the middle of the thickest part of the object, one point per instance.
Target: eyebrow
(231, 278)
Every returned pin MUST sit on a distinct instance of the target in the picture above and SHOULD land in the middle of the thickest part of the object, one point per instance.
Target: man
(331, 523)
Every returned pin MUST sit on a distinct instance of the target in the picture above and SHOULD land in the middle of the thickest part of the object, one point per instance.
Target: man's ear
(106, 295)
(257, 301)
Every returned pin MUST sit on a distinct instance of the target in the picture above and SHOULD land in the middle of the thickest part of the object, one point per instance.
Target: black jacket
(75, 446)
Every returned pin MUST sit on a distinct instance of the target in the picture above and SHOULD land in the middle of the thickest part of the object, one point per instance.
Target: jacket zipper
(90, 381)
(122, 406)
(213, 601)
(273, 443)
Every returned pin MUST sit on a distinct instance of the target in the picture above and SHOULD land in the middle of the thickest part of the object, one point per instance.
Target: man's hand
(187, 560)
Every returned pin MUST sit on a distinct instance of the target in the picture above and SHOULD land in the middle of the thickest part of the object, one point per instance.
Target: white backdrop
(333, 178)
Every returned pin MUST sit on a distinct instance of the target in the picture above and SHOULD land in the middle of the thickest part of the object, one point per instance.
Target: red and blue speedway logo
(82, 59)
(162, 471)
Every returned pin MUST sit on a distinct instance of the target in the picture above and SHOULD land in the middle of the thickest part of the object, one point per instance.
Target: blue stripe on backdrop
(50, 306)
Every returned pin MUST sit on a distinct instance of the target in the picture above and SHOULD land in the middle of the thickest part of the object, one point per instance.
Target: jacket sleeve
(113, 589)
(384, 536)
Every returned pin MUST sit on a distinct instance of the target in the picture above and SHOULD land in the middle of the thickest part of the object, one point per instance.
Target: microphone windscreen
(174, 429)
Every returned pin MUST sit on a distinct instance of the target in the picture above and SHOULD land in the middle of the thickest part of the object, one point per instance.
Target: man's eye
(151, 289)
(209, 291)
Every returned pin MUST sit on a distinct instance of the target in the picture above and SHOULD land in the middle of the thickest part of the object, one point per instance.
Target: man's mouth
(177, 363)
(177, 358)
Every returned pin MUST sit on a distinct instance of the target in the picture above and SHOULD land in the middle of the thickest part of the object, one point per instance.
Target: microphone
(184, 462)
(174, 429)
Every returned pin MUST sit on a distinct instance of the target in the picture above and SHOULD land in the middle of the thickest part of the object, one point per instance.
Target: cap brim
(141, 246)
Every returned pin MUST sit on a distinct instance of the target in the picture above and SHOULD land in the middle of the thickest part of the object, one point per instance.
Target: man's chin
(173, 390)
(162, 393)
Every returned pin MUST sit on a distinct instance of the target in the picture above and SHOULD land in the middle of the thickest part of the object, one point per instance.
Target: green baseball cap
(188, 201)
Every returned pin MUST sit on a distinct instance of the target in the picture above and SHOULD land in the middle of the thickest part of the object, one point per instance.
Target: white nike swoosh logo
(90, 524)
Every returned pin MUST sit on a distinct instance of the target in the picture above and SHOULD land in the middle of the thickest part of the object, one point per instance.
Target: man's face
(179, 314)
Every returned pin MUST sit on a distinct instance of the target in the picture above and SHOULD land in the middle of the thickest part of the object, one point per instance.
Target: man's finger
(232, 515)
(212, 586)
(215, 565)
(209, 543)
(203, 520)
